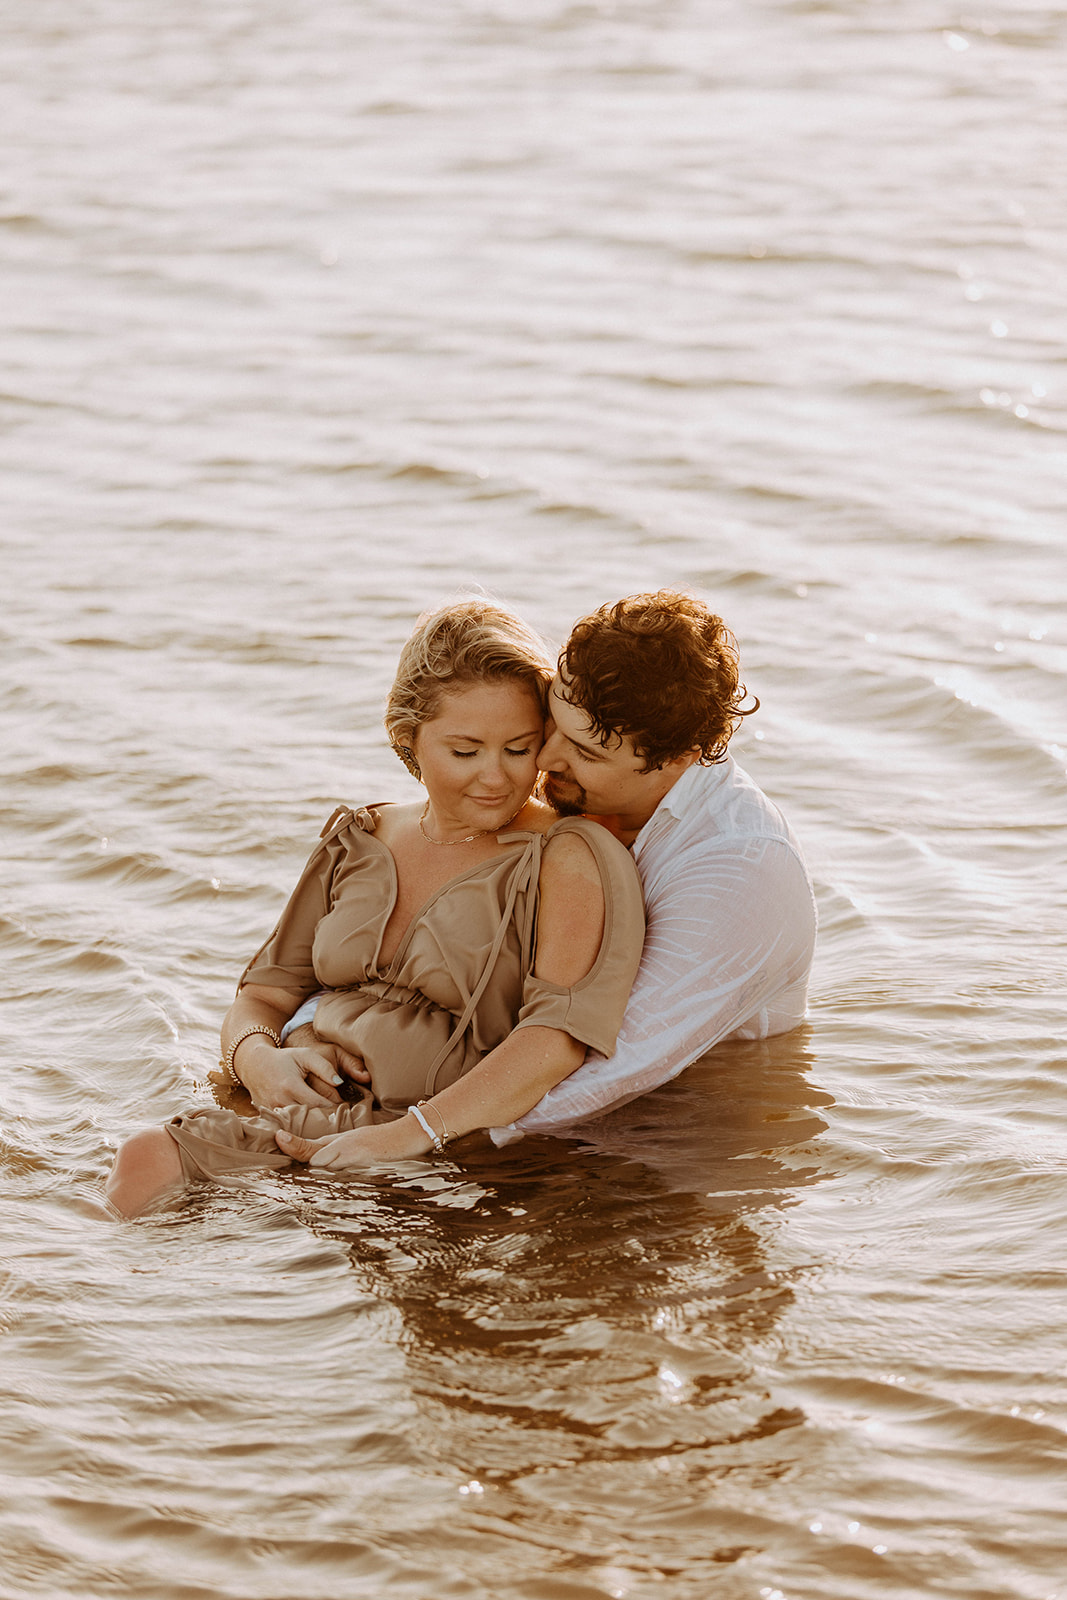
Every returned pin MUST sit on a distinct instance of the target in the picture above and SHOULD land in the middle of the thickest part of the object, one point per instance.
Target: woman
(470, 948)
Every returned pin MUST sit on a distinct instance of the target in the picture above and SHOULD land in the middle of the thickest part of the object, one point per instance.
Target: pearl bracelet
(437, 1140)
(226, 1062)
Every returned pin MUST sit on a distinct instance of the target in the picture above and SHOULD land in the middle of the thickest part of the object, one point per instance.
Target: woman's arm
(306, 1076)
(530, 1061)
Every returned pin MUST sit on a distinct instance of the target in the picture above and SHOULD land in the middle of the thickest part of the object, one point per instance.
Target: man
(642, 710)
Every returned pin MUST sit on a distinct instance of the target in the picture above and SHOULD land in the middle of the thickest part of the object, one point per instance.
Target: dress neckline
(388, 971)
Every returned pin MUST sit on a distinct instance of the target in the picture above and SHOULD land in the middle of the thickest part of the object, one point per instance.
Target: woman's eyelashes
(467, 755)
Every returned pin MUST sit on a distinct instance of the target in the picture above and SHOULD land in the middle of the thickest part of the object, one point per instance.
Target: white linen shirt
(728, 946)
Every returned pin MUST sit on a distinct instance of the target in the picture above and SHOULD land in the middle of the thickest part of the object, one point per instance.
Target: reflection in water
(580, 1319)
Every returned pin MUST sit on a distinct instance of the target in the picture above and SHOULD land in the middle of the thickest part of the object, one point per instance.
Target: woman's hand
(304, 1072)
(402, 1140)
(304, 1076)
(335, 1058)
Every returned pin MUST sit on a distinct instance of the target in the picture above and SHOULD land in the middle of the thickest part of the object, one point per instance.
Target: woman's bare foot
(146, 1168)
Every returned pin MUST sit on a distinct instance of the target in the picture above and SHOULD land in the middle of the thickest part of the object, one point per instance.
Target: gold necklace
(470, 837)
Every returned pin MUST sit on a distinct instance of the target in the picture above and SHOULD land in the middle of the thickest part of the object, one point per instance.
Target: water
(313, 317)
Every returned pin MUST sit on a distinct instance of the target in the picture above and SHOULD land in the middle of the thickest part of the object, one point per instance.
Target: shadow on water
(572, 1314)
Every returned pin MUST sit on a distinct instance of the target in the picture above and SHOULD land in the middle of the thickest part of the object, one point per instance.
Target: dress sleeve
(592, 1010)
(729, 940)
(285, 961)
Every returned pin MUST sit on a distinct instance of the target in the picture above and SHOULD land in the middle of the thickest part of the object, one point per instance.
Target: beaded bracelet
(437, 1140)
(226, 1062)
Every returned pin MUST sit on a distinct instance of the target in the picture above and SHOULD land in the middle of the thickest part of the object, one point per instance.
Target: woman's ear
(403, 744)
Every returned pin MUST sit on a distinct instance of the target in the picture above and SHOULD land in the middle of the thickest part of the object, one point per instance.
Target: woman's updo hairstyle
(459, 647)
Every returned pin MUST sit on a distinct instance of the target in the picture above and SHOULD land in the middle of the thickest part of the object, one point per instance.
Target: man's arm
(729, 933)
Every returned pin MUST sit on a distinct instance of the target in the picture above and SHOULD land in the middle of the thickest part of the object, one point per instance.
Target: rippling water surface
(313, 316)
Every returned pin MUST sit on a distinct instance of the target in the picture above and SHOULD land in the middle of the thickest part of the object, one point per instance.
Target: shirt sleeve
(730, 933)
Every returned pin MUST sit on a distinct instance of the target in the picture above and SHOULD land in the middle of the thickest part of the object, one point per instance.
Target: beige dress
(460, 982)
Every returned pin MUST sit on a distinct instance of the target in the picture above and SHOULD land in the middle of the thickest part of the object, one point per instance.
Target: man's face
(584, 776)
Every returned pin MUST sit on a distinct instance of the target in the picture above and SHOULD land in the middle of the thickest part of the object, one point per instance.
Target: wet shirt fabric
(460, 982)
(728, 950)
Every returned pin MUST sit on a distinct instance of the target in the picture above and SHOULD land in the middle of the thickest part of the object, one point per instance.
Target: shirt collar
(693, 789)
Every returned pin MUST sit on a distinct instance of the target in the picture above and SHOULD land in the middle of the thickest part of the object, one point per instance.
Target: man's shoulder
(723, 801)
(714, 814)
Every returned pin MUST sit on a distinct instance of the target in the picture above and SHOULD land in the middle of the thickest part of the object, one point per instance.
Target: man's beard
(572, 804)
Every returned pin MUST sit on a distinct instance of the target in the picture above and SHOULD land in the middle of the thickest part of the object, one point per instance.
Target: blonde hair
(459, 646)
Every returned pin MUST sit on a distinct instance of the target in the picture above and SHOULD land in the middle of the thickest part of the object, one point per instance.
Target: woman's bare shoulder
(394, 818)
(569, 854)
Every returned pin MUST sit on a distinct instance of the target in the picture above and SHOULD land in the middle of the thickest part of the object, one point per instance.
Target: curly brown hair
(660, 668)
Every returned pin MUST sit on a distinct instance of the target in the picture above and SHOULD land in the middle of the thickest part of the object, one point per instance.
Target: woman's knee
(146, 1167)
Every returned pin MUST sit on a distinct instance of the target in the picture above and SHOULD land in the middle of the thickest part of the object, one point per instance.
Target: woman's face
(478, 756)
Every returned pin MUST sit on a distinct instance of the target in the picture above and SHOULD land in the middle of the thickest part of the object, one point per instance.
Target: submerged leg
(146, 1168)
(214, 1143)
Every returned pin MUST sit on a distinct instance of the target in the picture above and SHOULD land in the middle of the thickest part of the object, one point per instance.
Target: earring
(407, 756)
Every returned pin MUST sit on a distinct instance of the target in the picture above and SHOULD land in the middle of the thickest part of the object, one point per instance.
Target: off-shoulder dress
(460, 982)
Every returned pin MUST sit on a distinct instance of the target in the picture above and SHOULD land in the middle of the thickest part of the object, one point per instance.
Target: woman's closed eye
(466, 755)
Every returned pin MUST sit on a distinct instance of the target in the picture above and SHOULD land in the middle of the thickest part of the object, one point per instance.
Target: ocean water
(313, 317)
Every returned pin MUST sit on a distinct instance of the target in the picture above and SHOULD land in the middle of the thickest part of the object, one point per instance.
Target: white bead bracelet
(437, 1140)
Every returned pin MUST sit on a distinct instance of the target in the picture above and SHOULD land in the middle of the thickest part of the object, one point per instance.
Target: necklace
(468, 840)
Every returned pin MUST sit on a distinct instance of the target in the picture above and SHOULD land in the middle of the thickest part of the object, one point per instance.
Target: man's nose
(551, 755)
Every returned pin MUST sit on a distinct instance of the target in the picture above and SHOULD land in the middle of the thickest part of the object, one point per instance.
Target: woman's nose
(492, 772)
